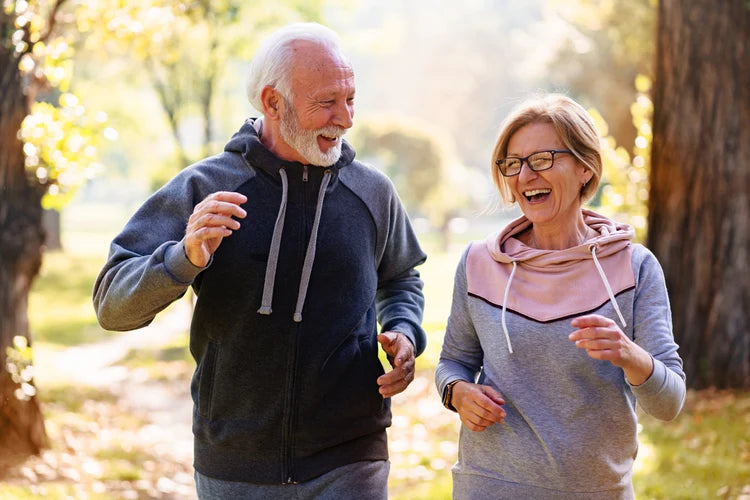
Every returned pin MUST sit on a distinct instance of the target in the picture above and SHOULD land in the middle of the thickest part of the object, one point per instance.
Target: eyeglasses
(541, 160)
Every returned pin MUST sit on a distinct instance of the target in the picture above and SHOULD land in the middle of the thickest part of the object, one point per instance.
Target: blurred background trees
(432, 183)
(46, 149)
(160, 84)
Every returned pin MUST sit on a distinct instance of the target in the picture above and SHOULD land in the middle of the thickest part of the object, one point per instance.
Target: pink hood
(547, 285)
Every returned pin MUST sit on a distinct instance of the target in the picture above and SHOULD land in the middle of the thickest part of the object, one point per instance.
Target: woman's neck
(558, 237)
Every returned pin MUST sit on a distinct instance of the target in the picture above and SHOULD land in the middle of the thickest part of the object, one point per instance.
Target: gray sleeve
(399, 300)
(663, 394)
(461, 356)
(147, 268)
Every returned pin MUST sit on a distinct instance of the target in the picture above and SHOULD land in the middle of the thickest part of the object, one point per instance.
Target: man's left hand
(400, 353)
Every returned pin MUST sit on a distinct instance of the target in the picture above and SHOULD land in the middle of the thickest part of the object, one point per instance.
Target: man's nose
(344, 115)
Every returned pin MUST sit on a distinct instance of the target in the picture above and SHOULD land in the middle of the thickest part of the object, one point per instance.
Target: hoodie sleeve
(399, 300)
(147, 268)
(663, 394)
(462, 356)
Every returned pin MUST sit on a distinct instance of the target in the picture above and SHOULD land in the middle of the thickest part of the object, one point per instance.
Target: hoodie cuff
(653, 383)
(408, 330)
(178, 265)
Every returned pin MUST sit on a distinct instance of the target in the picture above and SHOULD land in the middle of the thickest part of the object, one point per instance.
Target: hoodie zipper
(287, 473)
(287, 437)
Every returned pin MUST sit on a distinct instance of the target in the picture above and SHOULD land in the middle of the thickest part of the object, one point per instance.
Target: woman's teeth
(533, 192)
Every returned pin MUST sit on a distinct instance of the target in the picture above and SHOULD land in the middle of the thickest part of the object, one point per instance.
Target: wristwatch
(448, 394)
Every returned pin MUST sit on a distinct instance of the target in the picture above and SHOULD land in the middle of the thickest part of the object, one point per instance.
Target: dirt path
(164, 404)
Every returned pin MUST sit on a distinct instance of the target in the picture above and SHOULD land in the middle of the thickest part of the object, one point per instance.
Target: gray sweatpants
(360, 480)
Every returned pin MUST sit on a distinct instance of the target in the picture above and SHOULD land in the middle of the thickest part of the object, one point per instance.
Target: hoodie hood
(246, 142)
(547, 285)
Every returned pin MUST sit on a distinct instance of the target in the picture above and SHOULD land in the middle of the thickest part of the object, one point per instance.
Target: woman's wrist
(448, 394)
(641, 369)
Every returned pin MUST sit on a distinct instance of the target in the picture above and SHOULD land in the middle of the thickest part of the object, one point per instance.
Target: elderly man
(294, 250)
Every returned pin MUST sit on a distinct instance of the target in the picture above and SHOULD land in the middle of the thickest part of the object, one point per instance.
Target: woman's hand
(603, 339)
(479, 406)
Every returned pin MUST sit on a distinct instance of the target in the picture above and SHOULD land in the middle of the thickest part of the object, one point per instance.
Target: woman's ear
(587, 176)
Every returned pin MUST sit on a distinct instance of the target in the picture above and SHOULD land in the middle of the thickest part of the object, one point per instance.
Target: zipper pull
(304, 173)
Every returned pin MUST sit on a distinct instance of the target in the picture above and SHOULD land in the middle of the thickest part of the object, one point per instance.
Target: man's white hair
(272, 61)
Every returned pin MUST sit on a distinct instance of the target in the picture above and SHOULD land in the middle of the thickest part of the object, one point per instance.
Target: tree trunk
(699, 204)
(21, 237)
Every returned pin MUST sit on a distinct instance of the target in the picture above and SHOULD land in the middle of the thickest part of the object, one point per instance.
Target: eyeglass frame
(526, 159)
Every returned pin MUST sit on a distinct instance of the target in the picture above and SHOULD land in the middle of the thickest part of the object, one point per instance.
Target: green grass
(72, 398)
(60, 307)
(171, 362)
(177, 350)
(704, 453)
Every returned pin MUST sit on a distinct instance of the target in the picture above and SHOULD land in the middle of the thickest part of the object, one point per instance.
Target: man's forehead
(317, 64)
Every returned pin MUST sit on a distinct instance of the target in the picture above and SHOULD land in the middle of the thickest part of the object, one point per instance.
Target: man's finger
(230, 196)
(387, 340)
(218, 207)
(391, 377)
(209, 232)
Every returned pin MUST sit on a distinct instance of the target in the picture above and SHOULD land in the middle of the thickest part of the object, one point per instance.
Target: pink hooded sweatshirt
(547, 285)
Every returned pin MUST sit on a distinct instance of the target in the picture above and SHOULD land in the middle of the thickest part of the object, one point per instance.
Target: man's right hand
(479, 406)
(211, 222)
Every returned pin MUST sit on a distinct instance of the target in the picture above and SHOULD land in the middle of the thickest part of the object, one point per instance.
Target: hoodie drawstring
(310, 254)
(606, 285)
(273, 253)
(505, 302)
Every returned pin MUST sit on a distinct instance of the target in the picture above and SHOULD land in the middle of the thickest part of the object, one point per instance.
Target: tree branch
(51, 22)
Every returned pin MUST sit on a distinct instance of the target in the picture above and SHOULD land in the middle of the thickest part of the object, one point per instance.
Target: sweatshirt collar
(548, 285)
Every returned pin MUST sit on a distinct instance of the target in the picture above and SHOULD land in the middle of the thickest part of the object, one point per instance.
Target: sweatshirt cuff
(408, 330)
(178, 266)
(653, 383)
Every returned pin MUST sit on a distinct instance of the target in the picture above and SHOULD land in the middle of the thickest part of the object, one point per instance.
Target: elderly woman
(559, 324)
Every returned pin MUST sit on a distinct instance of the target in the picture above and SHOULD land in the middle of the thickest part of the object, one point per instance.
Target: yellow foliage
(624, 186)
(60, 145)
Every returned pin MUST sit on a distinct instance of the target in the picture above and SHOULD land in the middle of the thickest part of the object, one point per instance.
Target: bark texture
(21, 238)
(699, 205)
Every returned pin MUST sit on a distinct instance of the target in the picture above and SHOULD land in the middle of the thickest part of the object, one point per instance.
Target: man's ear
(271, 101)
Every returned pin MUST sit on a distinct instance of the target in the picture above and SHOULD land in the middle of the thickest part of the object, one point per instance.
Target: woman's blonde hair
(574, 126)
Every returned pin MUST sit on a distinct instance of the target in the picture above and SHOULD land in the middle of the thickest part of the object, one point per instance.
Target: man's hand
(400, 353)
(479, 406)
(603, 339)
(211, 222)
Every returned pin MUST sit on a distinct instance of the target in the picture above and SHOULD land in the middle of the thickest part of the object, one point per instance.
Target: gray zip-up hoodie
(284, 328)
(571, 428)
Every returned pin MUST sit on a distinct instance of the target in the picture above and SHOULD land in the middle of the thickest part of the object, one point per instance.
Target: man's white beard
(305, 142)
